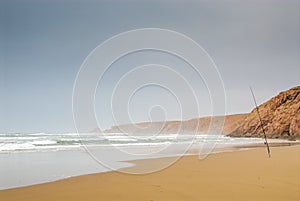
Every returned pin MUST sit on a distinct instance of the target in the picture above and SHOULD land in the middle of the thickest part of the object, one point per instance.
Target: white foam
(43, 142)
(16, 146)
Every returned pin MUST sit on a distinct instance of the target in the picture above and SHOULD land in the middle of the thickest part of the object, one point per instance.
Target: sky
(44, 43)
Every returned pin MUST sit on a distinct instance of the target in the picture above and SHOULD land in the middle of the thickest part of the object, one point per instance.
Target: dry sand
(240, 175)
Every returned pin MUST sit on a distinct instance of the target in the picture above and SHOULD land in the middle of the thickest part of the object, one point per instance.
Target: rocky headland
(280, 118)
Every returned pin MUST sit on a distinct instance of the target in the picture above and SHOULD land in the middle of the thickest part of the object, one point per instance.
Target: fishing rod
(261, 124)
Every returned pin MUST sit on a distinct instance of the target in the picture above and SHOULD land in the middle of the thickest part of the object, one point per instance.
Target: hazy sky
(43, 44)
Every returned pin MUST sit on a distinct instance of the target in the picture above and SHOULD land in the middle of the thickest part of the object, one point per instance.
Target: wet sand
(239, 175)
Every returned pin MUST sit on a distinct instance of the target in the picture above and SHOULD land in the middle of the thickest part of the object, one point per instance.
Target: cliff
(197, 125)
(280, 117)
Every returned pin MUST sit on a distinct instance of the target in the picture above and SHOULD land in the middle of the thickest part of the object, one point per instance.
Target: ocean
(28, 159)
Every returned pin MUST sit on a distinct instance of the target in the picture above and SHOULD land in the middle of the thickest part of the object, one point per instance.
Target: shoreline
(192, 152)
(227, 168)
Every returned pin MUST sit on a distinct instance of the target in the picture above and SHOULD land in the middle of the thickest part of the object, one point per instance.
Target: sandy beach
(239, 175)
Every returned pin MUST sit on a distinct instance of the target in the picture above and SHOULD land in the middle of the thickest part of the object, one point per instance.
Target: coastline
(221, 176)
(64, 164)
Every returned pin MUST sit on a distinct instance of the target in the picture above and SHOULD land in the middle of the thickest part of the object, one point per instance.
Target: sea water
(27, 159)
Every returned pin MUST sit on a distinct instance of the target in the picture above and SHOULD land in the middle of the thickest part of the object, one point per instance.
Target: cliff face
(280, 117)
